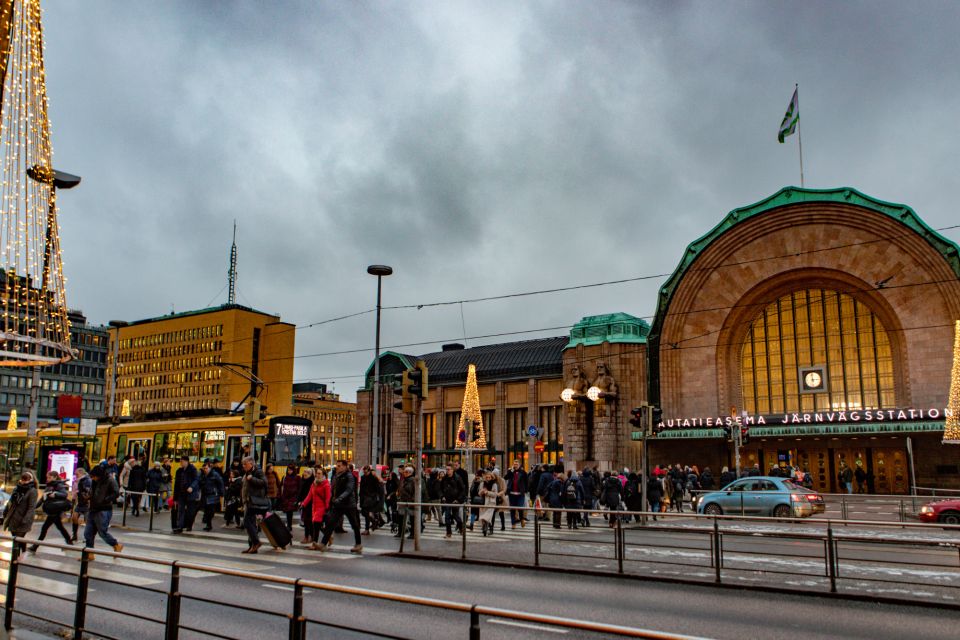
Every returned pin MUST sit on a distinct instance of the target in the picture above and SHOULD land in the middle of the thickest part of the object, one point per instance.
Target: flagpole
(799, 138)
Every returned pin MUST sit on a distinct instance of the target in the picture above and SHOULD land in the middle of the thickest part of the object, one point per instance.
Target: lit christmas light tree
(471, 420)
(951, 428)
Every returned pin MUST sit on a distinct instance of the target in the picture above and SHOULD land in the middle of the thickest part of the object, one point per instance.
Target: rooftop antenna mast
(232, 274)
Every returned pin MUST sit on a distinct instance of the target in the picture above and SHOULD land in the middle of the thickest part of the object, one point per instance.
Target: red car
(942, 511)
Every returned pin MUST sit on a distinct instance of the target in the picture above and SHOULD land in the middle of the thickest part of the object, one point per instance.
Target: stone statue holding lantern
(605, 389)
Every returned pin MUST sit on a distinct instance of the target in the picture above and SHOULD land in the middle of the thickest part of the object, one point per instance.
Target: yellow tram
(280, 440)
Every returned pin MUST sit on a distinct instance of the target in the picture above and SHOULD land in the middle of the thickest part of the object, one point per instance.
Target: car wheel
(950, 517)
(713, 509)
(781, 511)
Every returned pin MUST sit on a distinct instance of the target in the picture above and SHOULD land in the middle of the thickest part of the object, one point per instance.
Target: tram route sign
(285, 429)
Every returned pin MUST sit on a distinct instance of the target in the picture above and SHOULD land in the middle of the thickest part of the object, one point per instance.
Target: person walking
(154, 486)
(55, 504)
(453, 493)
(588, 483)
(516, 479)
(654, 494)
(290, 494)
(137, 483)
(166, 486)
(371, 500)
(253, 495)
(489, 491)
(82, 489)
(19, 512)
(317, 503)
(572, 499)
(233, 498)
(273, 485)
(406, 493)
(186, 494)
(211, 489)
(610, 497)
(390, 490)
(343, 504)
(104, 492)
(306, 514)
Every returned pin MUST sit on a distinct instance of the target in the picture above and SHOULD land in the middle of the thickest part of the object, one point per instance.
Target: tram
(280, 440)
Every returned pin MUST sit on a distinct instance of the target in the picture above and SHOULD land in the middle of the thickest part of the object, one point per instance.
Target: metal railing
(145, 498)
(826, 551)
(298, 620)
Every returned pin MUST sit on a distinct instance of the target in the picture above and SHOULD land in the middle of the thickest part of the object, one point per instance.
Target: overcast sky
(479, 148)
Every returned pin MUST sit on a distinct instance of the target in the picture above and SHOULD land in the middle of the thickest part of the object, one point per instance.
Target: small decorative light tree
(34, 329)
(471, 420)
(951, 428)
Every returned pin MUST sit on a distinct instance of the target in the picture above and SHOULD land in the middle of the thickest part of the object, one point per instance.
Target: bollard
(12, 584)
(717, 550)
(618, 542)
(536, 539)
(474, 623)
(902, 514)
(173, 604)
(83, 584)
(297, 622)
(831, 560)
(463, 532)
(843, 508)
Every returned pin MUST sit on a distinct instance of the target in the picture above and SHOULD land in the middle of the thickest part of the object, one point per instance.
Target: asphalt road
(693, 610)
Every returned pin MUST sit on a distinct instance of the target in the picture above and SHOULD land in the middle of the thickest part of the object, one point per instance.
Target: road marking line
(526, 625)
(281, 587)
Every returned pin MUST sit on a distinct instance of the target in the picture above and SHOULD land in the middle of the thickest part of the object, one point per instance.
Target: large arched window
(816, 327)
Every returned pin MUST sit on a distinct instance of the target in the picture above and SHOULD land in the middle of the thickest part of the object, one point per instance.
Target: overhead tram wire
(605, 283)
(760, 304)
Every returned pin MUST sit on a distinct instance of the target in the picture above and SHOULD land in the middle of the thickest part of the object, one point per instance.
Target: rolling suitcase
(276, 531)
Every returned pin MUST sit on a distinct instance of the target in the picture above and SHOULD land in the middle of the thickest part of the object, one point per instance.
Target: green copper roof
(612, 327)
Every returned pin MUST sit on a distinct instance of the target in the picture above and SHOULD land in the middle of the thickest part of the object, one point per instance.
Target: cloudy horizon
(479, 149)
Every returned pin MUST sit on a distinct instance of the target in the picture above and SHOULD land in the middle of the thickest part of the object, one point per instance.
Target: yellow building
(171, 366)
(334, 422)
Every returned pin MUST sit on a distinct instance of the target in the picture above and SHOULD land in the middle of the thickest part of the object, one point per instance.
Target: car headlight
(926, 509)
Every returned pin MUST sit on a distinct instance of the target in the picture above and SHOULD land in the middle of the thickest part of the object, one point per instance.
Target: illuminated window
(552, 438)
(516, 434)
(809, 328)
(429, 430)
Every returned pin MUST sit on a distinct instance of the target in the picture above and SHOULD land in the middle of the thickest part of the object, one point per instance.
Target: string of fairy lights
(36, 328)
(951, 428)
(471, 418)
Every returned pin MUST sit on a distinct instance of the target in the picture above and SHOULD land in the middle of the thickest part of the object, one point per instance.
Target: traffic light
(262, 412)
(638, 418)
(744, 435)
(726, 431)
(657, 419)
(405, 404)
(417, 380)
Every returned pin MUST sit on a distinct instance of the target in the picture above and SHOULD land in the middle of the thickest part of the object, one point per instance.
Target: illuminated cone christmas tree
(951, 428)
(471, 420)
(34, 329)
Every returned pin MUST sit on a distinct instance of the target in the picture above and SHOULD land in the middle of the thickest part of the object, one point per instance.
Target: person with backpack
(104, 493)
(572, 499)
(82, 489)
(154, 485)
(611, 491)
(555, 493)
(654, 494)
(211, 489)
(55, 504)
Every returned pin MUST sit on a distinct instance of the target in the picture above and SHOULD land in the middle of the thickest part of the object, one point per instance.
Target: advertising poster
(64, 463)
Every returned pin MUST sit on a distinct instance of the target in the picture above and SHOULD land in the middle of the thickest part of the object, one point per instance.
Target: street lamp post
(379, 270)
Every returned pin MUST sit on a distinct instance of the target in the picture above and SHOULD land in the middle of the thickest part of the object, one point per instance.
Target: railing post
(83, 583)
(153, 502)
(717, 550)
(297, 622)
(463, 531)
(403, 528)
(902, 514)
(125, 500)
(474, 623)
(843, 507)
(831, 560)
(536, 539)
(618, 541)
(741, 503)
(11, 584)
(173, 603)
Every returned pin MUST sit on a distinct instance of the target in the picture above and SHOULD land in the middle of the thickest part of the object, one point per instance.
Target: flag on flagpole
(789, 124)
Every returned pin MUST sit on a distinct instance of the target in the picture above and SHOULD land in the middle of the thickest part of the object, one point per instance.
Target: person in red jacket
(290, 494)
(318, 501)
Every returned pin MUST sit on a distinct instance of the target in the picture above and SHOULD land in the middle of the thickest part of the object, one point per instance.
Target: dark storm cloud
(478, 148)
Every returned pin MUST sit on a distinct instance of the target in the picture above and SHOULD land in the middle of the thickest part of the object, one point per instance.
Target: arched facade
(885, 290)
